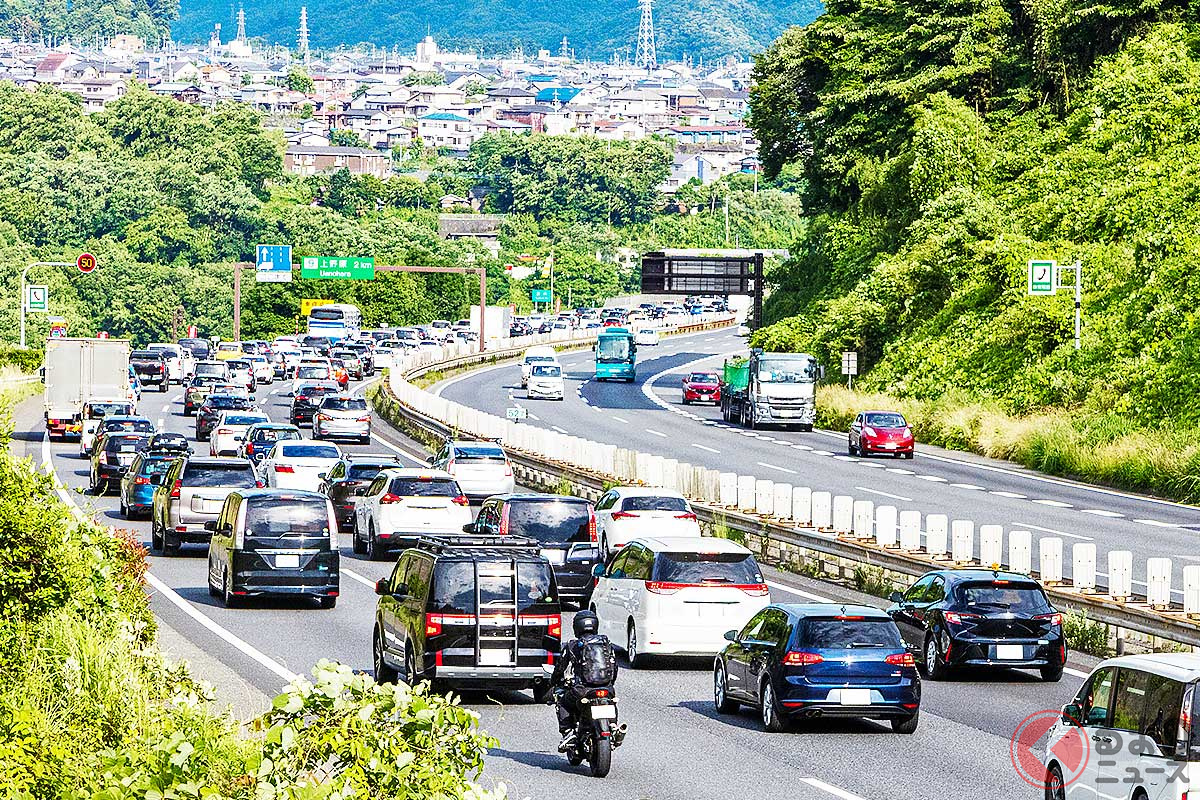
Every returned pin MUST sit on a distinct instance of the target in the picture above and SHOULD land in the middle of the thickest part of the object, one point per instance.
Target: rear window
(234, 475)
(367, 472)
(344, 404)
(155, 466)
(146, 355)
(415, 487)
(139, 425)
(549, 520)
(317, 391)
(241, 419)
(273, 435)
(225, 401)
(478, 452)
(1014, 597)
(655, 504)
(314, 372)
(269, 519)
(847, 634)
(734, 568)
(238, 364)
(454, 587)
(309, 451)
(98, 410)
(127, 444)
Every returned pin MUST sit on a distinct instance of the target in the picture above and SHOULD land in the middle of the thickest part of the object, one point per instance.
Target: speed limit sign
(86, 262)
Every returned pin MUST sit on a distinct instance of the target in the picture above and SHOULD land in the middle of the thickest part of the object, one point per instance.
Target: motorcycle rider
(591, 662)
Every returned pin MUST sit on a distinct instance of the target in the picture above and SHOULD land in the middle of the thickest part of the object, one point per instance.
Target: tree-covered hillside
(84, 20)
(708, 29)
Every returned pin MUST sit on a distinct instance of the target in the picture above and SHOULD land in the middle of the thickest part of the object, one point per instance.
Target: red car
(880, 432)
(702, 387)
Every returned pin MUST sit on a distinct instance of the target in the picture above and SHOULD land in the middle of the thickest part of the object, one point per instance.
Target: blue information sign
(273, 263)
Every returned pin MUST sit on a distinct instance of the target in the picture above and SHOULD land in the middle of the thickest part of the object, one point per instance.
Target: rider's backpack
(597, 663)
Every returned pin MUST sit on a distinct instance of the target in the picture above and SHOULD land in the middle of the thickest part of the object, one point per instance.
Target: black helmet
(586, 623)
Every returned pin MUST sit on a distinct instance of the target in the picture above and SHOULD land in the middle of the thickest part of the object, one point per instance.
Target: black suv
(476, 612)
(308, 397)
(977, 617)
(150, 367)
(564, 528)
(114, 453)
(352, 472)
(206, 417)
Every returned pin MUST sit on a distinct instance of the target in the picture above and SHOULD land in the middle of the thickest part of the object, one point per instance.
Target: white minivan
(1132, 731)
(677, 595)
(539, 354)
(545, 382)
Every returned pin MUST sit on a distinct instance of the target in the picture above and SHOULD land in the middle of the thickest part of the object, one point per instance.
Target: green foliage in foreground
(89, 708)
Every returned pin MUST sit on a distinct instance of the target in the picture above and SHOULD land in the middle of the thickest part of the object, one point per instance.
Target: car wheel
(373, 553)
(124, 509)
(156, 539)
(357, 543)
(687, 402)
(935, 667)
(326, 602)
(636, 658)
(383, 672)
(227, 591)
(1055, 788)
(909, 454)
(1052, 673)
(410, 667)
(906, 724)
(721, 692)
(170, 543)
(771, 718)
(850, 451)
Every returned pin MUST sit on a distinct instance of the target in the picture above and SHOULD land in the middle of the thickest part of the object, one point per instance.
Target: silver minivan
(1132, 731)
(192, 492)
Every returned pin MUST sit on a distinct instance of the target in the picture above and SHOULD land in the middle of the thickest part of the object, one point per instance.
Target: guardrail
(790, 525)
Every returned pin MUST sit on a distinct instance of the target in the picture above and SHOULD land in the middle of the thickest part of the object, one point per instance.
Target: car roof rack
(475, 541)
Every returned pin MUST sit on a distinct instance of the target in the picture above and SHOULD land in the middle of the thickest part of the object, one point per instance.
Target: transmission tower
(646, 56)
(241, 23)
(303, 38)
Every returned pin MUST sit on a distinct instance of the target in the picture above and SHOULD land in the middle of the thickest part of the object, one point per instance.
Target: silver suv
(190, 493)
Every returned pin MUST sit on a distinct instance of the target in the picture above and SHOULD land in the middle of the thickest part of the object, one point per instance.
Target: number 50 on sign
(1042, 277)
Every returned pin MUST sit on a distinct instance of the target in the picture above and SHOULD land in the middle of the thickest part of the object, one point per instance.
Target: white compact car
(677, 596)
(263, 369)
(645, 337)
(242, 373)
(624, 513)
(402, 505)
(311, 372)
(298, 464)
(545, 382)
(482, 469)
(230, 429)
(1145, 709)
(540, 354)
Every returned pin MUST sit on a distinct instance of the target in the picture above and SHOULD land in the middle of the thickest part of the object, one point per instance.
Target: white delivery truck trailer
(80, 370)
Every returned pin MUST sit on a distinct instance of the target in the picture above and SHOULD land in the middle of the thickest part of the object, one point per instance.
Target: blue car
(795, 661)
(138, 483)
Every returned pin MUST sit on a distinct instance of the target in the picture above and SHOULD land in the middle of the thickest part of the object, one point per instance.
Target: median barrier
(991, 545)
(1050, 559)
(802, 505)
(782, 501)
(1083, 567)
(962, 541)
(670, 474)
(843, 514)
(1191, 590)
(1120, 575)
(764, 497)
(745, 492)
(885, 526)
(1020, 551)
(822, 510)
(1158, 582)
(863, 519)
(728, 493)
(937, 535)
(910, 530)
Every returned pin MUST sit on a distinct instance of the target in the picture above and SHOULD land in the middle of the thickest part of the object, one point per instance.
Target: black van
(474, 612)
(274, 542)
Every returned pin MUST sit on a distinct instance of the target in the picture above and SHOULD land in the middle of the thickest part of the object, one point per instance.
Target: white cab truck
(80, 370)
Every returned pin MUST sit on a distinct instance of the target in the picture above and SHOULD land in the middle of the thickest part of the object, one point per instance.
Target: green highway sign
(37, 298)
(337, 268)
(1042, 276)
(541, 296)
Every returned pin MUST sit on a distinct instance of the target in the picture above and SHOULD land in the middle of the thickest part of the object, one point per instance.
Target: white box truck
(497, 321)
(79, 371)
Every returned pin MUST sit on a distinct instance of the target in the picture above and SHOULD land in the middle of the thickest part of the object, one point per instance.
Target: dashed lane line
(899, 497)
(556, 428)
(621, 419)
(706, 448)
(355, 576)
(971, 486)
(774, 466)
(653, 432)
(1052, 503)
(1010, 495)
(1101, 512)
(1157, 523)
(1023, 526)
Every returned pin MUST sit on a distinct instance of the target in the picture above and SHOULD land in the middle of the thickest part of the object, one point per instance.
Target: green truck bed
(737, 373)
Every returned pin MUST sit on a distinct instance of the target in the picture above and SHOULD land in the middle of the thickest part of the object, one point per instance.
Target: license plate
(287, 561)
(604, 712)
(493, 657)
(1010, 652)
(889, 445)
(855, 697)
(557, 557)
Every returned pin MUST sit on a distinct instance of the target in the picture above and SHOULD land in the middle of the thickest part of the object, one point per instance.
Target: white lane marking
(1075, 673)
(1100, 512)
(931, 478)
(1022, 526)
(535, 416)
(850, 459)
(884, 494)
(1010, 495)
(1157, 523)
(705, 448)
(1052, 503)
(829, 788)
(355, 576)
(619, 419)
(801, 447)
(175, 399)
(162, 423)
(821, 453)
(900, 471)
(971, 486)
(656, 433)
(816, 598)
(401, 451)
(773, 466)
(560, 430)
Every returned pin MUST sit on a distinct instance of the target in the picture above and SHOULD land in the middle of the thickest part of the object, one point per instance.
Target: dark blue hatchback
(795, 661)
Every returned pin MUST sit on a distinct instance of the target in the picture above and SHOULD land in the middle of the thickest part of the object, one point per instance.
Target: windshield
(547, 371)
(539, 359)
(329, 314)
(98, 410)
(238, 475)
(127, 444)
(314, 372)
(703, 377)
(139, 425)
(787, 370)
(614, 350)
(549, 520)
(309, 451)
(1011, 597)
(154, 466)
(845, 634)
(733, 568)
(273, 434)
(886, 420)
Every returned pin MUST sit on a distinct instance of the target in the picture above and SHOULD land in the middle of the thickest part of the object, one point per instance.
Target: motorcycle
(597, 732)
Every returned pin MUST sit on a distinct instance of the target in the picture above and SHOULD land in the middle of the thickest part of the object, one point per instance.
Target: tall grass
(1101, 448)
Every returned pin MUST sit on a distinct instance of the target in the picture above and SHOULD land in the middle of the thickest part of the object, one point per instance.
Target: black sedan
(347, 475)
(307, 398)
(113, 454)
(206, 417)
(980, 618)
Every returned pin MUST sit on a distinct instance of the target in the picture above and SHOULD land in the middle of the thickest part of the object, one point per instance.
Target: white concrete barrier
(1083, 566)
(670, 474)
(991, 546)
(843, 514)
(910, 530)
(728, 489)
(802, 505)
(1020, 551)
(783, 500)
(962, 541)
(822, 510)
(745, 492)
(642, 467)
(1158, 582)
(886, 524)
(1191, 590)
(764, 497)
(1050, 551)
(654, 472)
(1120, 575)
(864, 519)
(937, 528)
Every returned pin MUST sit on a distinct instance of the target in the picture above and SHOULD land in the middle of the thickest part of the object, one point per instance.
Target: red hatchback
(703, 387)
(880, 432)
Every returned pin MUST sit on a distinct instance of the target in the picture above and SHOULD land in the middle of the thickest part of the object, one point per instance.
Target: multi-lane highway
(648, 415)
(677, 747)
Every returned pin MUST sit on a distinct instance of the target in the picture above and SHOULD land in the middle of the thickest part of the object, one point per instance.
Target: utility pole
(726, 219)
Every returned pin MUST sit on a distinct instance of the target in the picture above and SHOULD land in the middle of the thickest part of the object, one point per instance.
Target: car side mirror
(470, 527)
(211, 526)
(731, 636)
(361, 491)
(431, 460)
(598, 571)
(381, 587)
(322, 475)
(896, 597)
(1071, 713)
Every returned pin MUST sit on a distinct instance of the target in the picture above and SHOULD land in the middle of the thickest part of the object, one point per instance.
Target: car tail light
(104, 458)
(845, 618)
(322, 417)
(801, 658)
(284, 468)
(753, 589)
(249, 448)
(663, 587)
(901, 660)
(303, 398)
(592, 525)
(223, 431)
(957, 618)
(504, 520)
(450, 465)
(507, 469)
(175, 487)
(433, 625)
(461, 500)
(141, 480)
(553, 622)
(688, 515)
(389, 498)
(1054, 619)
(623, 515)
(259, 484)
(364, 419)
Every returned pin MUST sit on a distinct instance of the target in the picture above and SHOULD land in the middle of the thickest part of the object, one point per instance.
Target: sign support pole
(24, 277)
(1077, 268)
